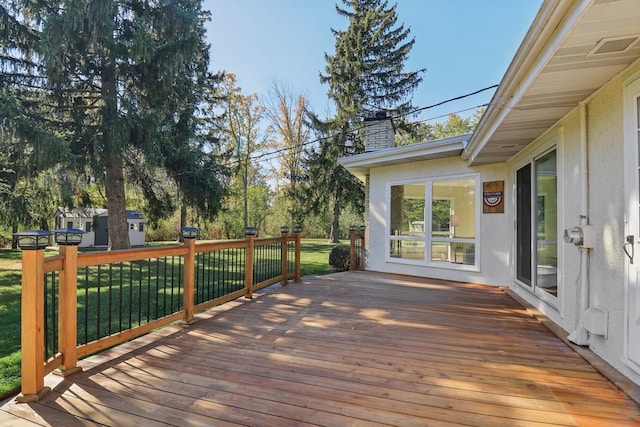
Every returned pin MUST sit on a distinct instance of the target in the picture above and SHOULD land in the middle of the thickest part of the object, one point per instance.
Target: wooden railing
(357, 252)
(76, 304)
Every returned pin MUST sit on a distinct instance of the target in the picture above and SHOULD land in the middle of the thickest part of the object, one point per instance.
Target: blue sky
(465, 45)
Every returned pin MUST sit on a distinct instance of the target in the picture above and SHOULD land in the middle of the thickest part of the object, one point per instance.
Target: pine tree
(365, 75)
(125, 79)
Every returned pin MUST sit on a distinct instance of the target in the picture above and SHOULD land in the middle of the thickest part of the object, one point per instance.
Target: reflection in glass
(546, 224)
(407, 249)
(407, 210)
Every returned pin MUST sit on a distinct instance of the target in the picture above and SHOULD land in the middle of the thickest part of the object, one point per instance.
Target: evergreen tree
(365, 75)
(125, 79)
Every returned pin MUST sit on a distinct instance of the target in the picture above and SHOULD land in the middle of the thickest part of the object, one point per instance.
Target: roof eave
(360, 165)
(552, 23)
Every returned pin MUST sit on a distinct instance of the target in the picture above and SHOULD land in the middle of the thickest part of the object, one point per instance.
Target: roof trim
(552, 24)
(360, 164)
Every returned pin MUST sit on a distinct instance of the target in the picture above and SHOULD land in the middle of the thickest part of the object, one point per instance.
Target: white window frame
(428, 238)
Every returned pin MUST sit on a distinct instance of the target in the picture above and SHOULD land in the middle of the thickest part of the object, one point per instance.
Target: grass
(314, 261)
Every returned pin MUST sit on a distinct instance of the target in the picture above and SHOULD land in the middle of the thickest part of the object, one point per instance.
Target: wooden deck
(344, 349)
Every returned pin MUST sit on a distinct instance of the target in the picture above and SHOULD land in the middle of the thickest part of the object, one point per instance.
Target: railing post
(250, 234)
(68, 320)
(32, 244)
(189, 280)
(352, 247)
(284, 231)
(362, 228)
(297, 229)
(189, 236)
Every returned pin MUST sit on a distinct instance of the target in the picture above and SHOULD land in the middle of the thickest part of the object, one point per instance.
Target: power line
(359, 127)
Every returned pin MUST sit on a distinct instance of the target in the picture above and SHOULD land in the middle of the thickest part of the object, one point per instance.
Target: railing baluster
(120, 302)
(173, 266)
(207, 276)
(98, 303)
(86, 305)
(110, 300)
(131, 265)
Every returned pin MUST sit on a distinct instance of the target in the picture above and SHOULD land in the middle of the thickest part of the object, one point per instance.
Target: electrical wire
(275, 153)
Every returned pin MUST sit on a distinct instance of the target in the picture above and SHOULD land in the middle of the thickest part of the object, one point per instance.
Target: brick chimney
(379, 132)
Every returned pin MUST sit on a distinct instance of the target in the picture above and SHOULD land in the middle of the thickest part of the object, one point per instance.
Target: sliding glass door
(536, 225)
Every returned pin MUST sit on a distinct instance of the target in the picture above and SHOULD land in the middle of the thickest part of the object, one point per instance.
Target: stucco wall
(608, 206)
(493, 230)
(606, 210)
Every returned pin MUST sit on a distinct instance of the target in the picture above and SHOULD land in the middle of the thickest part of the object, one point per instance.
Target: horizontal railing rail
(76, 304)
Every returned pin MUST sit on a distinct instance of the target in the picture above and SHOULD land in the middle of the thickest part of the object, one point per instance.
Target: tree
(365, 75)
(290, 133)
(239, 129)
(125, 79)
(30, 143)
(412, 133)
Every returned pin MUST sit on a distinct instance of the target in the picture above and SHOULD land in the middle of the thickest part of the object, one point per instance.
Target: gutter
(552, 24)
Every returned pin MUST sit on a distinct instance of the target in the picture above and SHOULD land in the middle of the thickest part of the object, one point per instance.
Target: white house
(544, 197)
(94, 222)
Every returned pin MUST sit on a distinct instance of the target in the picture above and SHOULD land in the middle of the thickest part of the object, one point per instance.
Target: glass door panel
(523, 225)
(547, 224)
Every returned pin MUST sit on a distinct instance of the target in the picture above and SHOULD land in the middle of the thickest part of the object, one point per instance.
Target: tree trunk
(117, 222)
(14, 240)
(335, 221)
(183, 221)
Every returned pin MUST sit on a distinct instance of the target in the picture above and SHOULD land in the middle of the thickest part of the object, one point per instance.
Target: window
(141, 226)
(453, 220)
(407, 221)
(433, 222)
(537, 225)
(87, 226)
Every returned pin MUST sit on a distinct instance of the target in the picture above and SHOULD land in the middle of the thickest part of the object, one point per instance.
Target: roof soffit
(553, 71)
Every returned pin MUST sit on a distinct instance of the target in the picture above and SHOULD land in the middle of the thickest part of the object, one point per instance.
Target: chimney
(379, 132)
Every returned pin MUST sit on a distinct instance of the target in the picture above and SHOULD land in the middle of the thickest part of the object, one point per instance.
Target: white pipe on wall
(580, 335)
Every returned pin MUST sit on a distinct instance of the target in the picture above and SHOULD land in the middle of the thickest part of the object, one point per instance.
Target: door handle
(629, 242)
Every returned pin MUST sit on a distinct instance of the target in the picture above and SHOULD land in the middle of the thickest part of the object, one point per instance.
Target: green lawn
(315, 260)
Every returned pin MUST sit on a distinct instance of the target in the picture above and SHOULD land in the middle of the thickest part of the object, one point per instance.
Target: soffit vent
(614, 45)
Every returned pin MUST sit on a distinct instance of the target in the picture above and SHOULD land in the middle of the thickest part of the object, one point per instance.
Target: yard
(315, 254)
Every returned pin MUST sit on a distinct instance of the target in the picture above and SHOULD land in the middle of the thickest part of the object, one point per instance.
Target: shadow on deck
(355, 348)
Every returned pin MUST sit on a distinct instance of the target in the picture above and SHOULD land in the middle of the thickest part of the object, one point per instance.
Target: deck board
(345, 349)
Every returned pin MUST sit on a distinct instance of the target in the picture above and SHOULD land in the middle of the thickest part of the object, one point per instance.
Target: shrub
(339, 257)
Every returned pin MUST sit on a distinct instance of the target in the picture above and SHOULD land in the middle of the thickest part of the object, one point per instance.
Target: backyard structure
(543, 198)
(94, 223)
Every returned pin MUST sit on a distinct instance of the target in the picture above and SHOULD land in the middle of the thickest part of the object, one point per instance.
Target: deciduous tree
(290, 133)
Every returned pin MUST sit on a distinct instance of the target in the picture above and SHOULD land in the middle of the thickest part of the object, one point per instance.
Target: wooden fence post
(68, 315)
(352, 248)
(284, 249)
(188, 285)
(250, 234)
(32, 326)
(362, 247)
(298, 231)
